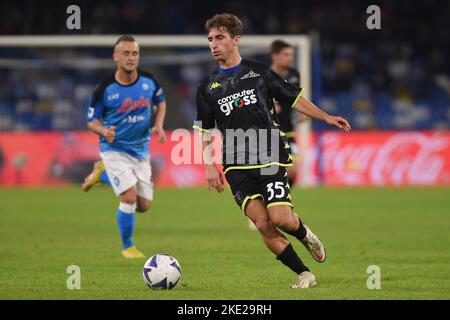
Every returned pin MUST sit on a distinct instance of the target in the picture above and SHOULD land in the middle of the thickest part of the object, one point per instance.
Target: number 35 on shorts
(277, 192)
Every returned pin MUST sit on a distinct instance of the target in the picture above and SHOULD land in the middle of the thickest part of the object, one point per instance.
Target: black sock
(300, 234)
(290, 259)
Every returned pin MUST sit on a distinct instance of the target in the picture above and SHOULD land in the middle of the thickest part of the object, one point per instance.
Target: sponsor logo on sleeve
(251, 74)
(113, 96)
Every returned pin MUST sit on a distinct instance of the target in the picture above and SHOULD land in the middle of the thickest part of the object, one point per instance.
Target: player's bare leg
(273, 239)
(143, 204)
(125, 218)
(129, 196)
(278, 244)
(288, 221)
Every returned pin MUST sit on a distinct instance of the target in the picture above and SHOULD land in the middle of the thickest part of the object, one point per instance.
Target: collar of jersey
(230, 70)
(130, 84)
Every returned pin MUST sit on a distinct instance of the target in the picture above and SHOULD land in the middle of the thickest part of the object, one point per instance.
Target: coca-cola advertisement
(380, 158)
(394, 158)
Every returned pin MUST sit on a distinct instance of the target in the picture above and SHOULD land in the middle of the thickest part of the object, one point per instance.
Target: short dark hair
(125, 37)
(229, 21)
(279, 45)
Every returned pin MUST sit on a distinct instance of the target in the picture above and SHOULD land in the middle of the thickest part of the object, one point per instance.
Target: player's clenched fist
(110, 133)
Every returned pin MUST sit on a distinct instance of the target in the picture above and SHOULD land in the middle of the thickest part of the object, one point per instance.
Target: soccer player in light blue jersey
(120, 112)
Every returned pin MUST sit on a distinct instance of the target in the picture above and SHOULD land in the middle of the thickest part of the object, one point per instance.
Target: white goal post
(300, 42)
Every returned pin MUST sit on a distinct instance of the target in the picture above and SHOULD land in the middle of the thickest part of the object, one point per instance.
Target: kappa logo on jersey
(237, 100)
(214, 85)
(129, 105)
(113, 96)
(145, 86)
(251, 74)
(91, 112)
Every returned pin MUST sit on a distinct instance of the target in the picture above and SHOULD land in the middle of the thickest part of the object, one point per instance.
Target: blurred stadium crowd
(394, 78)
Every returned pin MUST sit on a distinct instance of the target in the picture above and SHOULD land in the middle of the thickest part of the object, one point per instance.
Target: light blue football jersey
(129, 108)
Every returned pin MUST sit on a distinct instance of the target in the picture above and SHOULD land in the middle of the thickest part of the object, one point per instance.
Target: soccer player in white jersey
(120, 112)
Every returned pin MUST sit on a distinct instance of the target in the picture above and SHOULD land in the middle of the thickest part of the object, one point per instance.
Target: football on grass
(162, 271)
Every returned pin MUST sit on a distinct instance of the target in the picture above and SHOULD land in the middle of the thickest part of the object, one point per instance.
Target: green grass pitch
(405, 231)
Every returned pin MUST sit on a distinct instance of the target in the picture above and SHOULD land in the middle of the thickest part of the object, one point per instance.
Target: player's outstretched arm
(213, 176)
(97, 127)
(310, 109)
(158, 128)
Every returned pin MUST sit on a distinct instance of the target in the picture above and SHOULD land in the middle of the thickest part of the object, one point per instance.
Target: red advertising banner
(335, 158)
(380, 158)
(55, 158)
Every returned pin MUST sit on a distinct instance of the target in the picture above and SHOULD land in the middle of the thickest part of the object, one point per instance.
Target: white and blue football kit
(129, 109)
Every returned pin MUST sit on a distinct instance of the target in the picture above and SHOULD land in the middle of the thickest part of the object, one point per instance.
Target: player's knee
(128, 197)
(143, 206)
(264, 226)
(141, 209)
(281, 221)
(260, 224)
(282, 217)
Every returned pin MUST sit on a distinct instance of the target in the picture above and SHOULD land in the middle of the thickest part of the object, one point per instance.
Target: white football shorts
(125, 171)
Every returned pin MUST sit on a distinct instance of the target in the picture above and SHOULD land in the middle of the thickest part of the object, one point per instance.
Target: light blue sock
(125, 220)
(104, 178)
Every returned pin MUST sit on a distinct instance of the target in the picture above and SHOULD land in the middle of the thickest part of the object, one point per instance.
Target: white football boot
(305, 280)
(314, 246)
